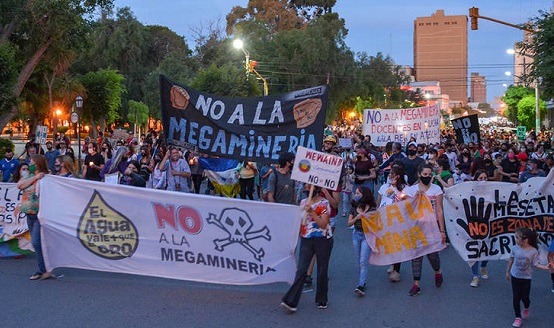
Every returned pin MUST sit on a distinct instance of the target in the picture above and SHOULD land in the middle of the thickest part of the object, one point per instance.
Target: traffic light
(252, 65)
(474, 14)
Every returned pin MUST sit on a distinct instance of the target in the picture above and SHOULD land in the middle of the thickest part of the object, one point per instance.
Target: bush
(4, 145)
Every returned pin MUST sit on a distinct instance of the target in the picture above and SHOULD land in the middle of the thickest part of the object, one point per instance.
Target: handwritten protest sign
(467, 129)
(317, 168)
(402, 231)
(399, 125)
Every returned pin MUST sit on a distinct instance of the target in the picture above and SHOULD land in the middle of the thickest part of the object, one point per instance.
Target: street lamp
(76, 119)
(57, 114)
(250, 64)
(427, 96)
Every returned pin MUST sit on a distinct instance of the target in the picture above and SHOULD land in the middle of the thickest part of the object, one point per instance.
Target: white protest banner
(483, 216)
(399, 125)
(14, 234)
(13, 222)
(317, 168)
(41, 134)
(402, 231)
(124, 229)
(112, 178)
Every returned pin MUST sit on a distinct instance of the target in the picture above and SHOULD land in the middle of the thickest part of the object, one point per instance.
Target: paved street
(82, 298)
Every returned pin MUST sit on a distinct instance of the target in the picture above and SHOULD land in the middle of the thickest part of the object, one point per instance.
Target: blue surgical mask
(357, 198)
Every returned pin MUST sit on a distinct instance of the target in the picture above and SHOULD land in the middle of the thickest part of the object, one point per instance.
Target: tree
(8, 76)
(526, 111)
(33, 26)
(542, 49)
(138, 114)
(101, 105)
(512, 97)
(274, 15)
(225, 81)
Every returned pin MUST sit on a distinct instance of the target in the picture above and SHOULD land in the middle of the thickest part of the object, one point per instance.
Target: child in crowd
(524, 257)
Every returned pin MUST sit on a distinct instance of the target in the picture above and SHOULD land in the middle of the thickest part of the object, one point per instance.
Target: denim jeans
(475, 267)
(34, 230)
(346, 201)
(362, 251)
(321, 247)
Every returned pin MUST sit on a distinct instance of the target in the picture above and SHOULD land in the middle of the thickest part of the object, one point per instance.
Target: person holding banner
(390, 193)
(481, 176)
(28, 184)
(362, 202)
(316, 238)
(435, 195)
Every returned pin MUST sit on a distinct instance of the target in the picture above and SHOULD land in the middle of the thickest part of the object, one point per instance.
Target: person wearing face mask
(443, 177)
(30, 206)
(451, 153)
(118, 163)
(362, 203)
(435, 195)
(65, 166)
(280, 186)
(490, 168)
(8, 165)
(411, 163)
(509, 168)
(158, 177)
(21, 170)
(532, 171)
(131, 176)
(389, 193)
(465, 160)
(94, 163)
(51, 154)
(316, 239)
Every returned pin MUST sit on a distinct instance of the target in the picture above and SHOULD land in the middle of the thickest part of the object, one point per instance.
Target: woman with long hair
(316, 238)
(389, 193)
(435, 195)
(38, 168)
(65, 167)
(362, 203)
(118, 163)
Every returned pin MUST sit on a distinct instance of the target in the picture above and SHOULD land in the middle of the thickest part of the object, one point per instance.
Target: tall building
(440, 53)
(523, 61)
(478, 88)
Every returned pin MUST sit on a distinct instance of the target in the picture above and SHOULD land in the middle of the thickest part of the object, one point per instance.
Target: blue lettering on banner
(373, 116)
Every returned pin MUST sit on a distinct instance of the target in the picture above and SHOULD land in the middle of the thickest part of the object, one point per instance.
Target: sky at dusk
(377, 26)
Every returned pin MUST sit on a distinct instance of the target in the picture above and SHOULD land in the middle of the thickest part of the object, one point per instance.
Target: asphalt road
(80, 298)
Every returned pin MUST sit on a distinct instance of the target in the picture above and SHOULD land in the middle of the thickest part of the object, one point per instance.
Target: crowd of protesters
(372, 177)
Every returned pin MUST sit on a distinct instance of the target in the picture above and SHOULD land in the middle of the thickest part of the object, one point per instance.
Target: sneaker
(484, 273)
(474, 282)
(438, 279)
(360, 290)
(47, 275)
(307, 289)
(35, 276)
(394, 276)
(287, 308)
(414, 291)
(517, 322)
(322, 305)
(390, 269)
(308, 281)
(525, 313)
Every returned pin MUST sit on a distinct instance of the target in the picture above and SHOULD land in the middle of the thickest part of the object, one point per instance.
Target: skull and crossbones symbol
(237, 224)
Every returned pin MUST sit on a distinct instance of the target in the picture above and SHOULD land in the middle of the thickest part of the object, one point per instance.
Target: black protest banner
(256, 129)
(467, 129)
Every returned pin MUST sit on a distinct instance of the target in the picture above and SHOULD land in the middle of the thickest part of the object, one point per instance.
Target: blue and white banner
(159, 233)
